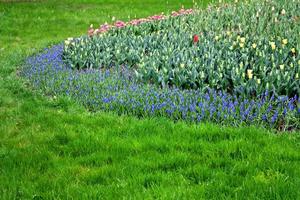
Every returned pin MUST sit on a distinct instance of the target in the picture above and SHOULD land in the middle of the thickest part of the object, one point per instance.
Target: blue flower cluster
(117, 91)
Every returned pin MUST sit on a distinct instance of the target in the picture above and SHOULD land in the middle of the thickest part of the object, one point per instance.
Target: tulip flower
(195, 38)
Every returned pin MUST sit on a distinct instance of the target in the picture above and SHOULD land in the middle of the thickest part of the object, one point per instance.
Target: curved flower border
(118, 92)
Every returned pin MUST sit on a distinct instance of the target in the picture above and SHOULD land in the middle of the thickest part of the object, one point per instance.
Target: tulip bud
(195, 38)
(284, 41)
(273, 45)
(242, 39)
(293, 50)
(281, 67)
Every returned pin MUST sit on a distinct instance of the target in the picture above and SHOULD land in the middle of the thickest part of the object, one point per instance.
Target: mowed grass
(52, 148)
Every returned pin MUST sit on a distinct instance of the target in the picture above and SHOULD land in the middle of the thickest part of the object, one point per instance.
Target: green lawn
(55, 149)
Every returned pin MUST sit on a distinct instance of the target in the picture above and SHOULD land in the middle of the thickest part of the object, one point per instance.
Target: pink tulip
(120, 24)
(90, 31)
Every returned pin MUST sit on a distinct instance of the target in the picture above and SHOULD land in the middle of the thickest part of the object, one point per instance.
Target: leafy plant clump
(242, 48)
(103, 70)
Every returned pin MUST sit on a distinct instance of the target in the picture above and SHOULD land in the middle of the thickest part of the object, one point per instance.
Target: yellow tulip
(284, 41)
(67, 42)
(281, 67)
(249, 73)
(242, 39)
(254, 46)
(293, 50)
(273, 45)
(258, 81)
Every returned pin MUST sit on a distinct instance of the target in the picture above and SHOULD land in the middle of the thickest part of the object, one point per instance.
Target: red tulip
(195, 38)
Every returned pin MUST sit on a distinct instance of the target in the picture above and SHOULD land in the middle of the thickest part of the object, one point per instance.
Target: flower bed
(213, 65)
(248, 54)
